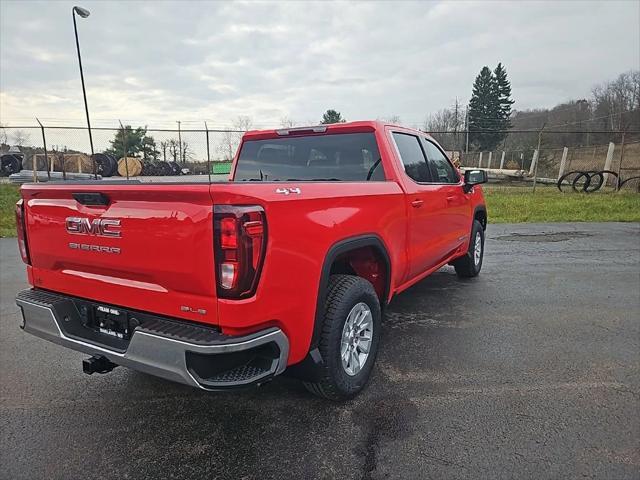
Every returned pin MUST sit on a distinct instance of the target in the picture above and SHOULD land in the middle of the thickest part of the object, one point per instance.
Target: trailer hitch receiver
(97, 364)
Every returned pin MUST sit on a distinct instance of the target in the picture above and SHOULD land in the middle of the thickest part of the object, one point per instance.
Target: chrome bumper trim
(155, 354)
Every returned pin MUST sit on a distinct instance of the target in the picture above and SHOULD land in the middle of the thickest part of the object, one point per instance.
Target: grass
(9, 195)
(547, 204)
(505, 205)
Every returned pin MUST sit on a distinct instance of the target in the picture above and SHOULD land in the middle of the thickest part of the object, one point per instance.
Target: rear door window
(331, 157)
(413, 158)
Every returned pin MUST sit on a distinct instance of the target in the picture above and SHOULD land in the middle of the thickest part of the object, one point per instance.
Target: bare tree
(613, 106)
(446, 120)
(20, 137)
(227, 145)
(4, 138)
(164, 146)
(231, 138)
(186, 153)
(174, 148)
(614, 101)
(176, 151)
(243, 123)
(392, 119)
(287, 122)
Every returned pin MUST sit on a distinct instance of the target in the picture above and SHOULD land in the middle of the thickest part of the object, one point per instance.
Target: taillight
(22, 232)
(240, 239)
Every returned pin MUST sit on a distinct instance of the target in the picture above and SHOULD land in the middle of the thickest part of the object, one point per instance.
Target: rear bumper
(178, 351)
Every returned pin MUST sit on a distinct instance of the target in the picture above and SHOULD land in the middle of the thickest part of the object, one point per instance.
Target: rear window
(337, 157)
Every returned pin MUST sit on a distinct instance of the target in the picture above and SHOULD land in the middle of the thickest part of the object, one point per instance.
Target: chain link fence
(521, 157)
(158, 152)
(528, 157)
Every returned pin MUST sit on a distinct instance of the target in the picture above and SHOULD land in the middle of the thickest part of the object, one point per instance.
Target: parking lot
(531, 370)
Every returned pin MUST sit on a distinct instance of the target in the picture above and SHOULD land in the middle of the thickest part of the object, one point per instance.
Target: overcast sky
(156, 62)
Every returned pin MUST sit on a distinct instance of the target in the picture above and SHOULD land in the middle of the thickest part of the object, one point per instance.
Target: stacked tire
(164, 169)
(175, 168)
(106, 165)
(10, 163)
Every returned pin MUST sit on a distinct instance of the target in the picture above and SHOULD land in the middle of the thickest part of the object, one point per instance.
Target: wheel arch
(480, 214)
(334, 253)
(307, 369)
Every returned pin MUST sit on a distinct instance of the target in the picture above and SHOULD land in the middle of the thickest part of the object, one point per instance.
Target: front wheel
(350, 338)
(470, 264)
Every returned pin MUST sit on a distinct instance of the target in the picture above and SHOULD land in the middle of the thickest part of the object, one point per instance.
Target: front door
(458, 203)
(430, 230)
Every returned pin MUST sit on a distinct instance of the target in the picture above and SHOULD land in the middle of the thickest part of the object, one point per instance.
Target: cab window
(347, 157)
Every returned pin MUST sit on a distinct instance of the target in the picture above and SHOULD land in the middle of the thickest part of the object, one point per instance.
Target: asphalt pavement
(530, 371)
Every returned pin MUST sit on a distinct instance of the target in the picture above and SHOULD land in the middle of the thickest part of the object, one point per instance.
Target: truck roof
(346, 127)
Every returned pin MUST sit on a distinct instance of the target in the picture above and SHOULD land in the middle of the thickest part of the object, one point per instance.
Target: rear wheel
(470, 264)
(349, 339)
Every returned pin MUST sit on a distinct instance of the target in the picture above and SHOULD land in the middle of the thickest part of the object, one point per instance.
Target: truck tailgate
(146, 247)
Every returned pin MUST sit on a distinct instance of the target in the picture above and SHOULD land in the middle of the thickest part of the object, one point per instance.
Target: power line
(594, 118)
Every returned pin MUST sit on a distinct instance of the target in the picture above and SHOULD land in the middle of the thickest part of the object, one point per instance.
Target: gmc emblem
(100, 227)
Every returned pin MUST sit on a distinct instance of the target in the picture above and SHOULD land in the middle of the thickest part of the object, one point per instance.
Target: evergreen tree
(490, 108)
(149, 148)
(504, 96)
(483, 110)
(332, 116)
(134, 138)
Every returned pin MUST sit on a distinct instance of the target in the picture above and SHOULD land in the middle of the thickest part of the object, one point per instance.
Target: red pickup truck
(287, 266)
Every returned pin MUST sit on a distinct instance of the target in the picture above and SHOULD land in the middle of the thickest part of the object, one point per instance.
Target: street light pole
(84, 13)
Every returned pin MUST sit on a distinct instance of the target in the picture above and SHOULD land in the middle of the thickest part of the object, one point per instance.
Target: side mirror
(473, 177)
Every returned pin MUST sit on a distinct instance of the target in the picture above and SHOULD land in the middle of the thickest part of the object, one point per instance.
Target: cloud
(163, 61)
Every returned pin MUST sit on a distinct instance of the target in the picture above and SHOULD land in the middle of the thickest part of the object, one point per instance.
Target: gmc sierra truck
(287, 266)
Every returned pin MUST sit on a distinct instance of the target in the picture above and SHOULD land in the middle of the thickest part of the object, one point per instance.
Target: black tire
(467, 266)
(621, 184)
(147, 168)
(588, 186)
(566, 177)
(113, 165)
(164, 169)
(175, 168)
(345, 292)
(10, 163)
(105, 164)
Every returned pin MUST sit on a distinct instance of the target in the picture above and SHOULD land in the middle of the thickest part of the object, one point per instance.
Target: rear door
(429, 230)
(142, 246)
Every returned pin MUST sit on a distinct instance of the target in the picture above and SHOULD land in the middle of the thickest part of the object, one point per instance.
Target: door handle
(451, 199)
(417, 203)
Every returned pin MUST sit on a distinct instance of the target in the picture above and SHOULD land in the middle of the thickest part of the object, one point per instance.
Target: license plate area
(109, 321)
(105, 325)
(97, 323)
